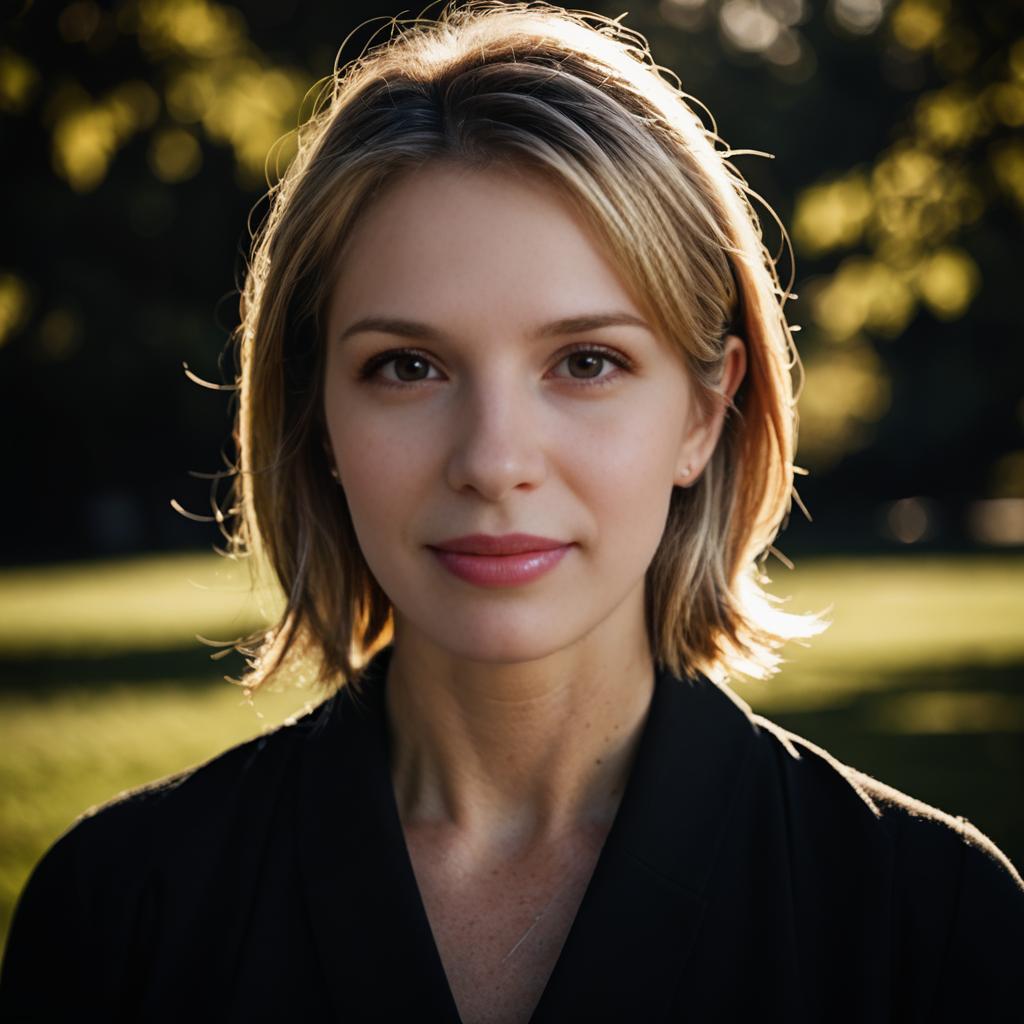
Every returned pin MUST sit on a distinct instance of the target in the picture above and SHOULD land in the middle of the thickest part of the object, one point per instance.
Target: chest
(499, 930)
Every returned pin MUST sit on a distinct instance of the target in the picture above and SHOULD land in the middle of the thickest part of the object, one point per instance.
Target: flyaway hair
(576, 98)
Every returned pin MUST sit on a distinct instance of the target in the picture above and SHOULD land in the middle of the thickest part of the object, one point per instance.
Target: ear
(329, 453)
(700, 441)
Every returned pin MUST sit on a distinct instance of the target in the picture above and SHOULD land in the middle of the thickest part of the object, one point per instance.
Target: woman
(516, 428)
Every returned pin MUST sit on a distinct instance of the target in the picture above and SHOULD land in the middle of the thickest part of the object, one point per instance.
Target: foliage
(145, 131)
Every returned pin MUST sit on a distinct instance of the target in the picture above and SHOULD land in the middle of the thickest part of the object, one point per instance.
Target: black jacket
(748, 875)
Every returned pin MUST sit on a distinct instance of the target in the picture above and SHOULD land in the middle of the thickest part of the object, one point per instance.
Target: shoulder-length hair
(577, 98)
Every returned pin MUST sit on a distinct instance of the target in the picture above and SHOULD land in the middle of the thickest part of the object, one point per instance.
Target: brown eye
(587, 363)
(396, 368)
(411, 367)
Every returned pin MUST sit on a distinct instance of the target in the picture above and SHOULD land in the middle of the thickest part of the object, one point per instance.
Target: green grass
(896, 613)
(103, 684)
(64, 751)
(147, 603)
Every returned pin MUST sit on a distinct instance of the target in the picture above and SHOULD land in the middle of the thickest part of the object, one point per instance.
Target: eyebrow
(425, 332)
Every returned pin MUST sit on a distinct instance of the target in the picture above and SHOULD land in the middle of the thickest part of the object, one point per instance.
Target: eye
(409, 365)
(588, 360)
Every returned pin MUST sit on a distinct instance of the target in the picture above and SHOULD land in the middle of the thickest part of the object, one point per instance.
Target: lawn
(104, 684)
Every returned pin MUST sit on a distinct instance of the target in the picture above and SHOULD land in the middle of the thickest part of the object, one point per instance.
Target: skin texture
(513, 711)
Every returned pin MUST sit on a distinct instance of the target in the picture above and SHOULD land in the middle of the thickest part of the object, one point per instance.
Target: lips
(508, 544)
(507, 561)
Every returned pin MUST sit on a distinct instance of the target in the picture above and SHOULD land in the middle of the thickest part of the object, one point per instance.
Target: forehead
(453, 238)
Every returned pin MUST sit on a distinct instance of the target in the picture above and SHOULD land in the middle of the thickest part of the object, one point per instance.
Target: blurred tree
(915, 215)
(130, 122)
(138, 135)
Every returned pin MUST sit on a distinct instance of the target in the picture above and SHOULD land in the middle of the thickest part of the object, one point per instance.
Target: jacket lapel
(625, 956)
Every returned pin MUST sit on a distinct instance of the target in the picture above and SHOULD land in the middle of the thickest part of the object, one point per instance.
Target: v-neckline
(395, 820)
(641, 906)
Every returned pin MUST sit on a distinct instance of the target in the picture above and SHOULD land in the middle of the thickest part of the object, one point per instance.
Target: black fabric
(747, 875)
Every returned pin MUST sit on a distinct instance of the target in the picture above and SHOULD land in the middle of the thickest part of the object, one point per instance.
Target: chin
(499, 642)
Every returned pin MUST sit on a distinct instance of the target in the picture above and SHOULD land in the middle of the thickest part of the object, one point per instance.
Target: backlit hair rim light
(577, 98)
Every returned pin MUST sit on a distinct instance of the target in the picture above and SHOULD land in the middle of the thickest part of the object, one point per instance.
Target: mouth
(508, 561)
(499, 546)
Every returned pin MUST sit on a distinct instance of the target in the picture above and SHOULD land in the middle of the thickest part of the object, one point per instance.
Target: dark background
(134, 137)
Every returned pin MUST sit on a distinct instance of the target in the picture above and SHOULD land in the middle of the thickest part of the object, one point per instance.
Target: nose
(498, 442)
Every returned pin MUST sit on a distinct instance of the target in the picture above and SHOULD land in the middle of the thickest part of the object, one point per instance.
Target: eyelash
(372, 365)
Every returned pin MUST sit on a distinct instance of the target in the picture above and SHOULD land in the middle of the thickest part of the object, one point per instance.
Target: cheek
(627, 457)
(623, 469)
(366, 464)
(383, 470)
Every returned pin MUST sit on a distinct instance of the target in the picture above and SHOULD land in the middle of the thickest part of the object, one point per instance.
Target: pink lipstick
(504, 561)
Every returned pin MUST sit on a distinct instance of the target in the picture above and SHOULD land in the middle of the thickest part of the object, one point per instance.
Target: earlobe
(329, 453)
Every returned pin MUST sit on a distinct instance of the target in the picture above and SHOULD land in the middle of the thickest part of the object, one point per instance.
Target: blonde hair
(576, 97)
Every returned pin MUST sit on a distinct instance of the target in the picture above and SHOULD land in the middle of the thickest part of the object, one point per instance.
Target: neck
(513, 754)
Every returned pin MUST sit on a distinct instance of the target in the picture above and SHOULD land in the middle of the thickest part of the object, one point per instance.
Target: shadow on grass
(51, 674)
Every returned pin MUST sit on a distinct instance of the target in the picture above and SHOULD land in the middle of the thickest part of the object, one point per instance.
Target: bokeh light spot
(174, 155)
(14, 305)
(833, 214)
(947, 280)
(919, 24)
(18, 80)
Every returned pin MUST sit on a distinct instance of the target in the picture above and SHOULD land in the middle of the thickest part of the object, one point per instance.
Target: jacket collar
(626, 951)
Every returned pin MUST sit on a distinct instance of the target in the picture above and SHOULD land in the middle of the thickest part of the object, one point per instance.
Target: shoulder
(174, 823)
(198, 799)
(956, 901)
(129, 869)
(912, 828)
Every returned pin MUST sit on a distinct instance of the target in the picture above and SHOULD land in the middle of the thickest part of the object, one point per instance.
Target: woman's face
(490, 423)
